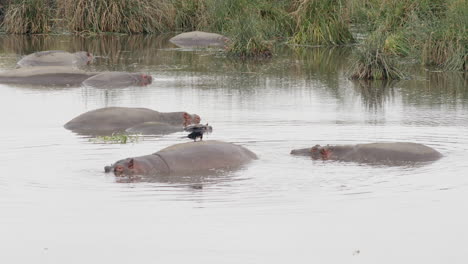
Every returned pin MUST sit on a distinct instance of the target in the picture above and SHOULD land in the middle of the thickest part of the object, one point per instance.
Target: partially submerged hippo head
(144, 165)
(145, 79)
(191, 119)
(316, 152)
(85, 56)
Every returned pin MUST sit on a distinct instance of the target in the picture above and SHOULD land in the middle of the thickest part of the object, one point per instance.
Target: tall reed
(28, 17)
(320, 23)
(123, 16)
(446, 46)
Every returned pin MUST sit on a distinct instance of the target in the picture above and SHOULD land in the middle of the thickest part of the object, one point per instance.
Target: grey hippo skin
(185, 159)
(105, 121)
(51, 75)
(118, 80)
(395, 153)
(56, 58)
(199, 39)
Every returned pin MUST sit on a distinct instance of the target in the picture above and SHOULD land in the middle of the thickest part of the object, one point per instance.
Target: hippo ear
(131, 164)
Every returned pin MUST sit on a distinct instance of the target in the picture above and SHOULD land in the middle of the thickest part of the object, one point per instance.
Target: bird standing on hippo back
(198, 130)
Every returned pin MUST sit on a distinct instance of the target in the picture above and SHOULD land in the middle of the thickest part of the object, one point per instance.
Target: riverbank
(398, 33)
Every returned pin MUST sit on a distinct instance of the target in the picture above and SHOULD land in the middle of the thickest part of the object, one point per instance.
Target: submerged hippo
(196, 39)
(118, 80)
(105, 121)
(395, 153)
(56, 58)
(49, 75)
(184, 159)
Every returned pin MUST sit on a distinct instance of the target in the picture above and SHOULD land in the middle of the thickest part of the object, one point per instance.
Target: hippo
(108, 120)
(185, 159)
(118, 80)
(199, 39)
(56, 58)
(46, 75)
(393, 153)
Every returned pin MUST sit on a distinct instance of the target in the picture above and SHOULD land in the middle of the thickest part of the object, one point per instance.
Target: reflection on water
(280, 208)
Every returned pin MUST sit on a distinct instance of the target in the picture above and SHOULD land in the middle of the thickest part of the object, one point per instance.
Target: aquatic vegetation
(371, 62)
(117, 138)
(28, 17)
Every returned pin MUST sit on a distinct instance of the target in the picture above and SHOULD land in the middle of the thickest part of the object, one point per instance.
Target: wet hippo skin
(51, 75)
(199, 39)
(185, 158)
(105, 121)
(118, 80)
(56, 58)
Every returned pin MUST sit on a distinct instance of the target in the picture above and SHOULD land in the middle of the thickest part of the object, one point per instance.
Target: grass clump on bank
(121, 16)
(372, 62)
(28, 17)
(320, 23)
(250, 25)
(432, 32)
(446, 46)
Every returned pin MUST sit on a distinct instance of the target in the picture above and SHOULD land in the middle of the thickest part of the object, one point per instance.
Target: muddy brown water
(57, 205)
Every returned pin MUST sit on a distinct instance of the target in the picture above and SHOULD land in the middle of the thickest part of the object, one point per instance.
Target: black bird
(197, 131)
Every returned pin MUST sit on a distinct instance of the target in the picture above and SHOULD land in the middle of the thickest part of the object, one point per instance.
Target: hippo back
(204, 156)
(114, 80)
(199, 39)
(55, 58)
(395, 152)
(45, 75)
(111, 119)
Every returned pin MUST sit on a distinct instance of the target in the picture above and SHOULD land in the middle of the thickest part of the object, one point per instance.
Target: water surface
(57, 205)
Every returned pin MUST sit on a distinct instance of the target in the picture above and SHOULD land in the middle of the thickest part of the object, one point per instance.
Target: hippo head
(85, 56)
(316, 152)
(145, 79)
(125, 167)
(191, 119)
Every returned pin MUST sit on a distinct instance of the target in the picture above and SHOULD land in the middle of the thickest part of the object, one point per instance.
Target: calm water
(57, 205)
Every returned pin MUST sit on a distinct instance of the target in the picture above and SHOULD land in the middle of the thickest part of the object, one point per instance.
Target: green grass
(116, 138)
(446, 46)
(371, 62)
(320, 23)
